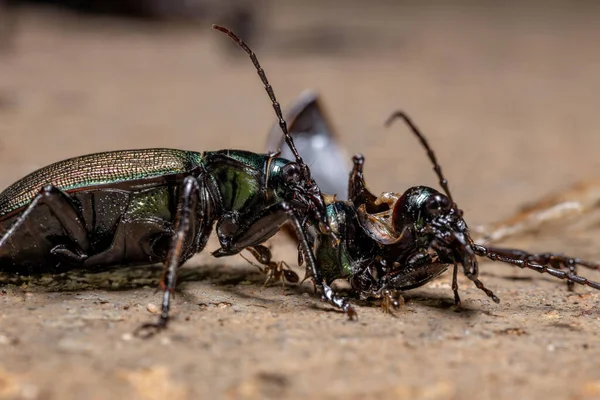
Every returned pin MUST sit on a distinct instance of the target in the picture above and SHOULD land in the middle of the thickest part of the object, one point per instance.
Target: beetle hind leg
(65, 213)
(455, 285)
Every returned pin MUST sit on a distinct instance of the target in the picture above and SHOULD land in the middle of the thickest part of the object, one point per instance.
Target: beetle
(105, 210)
(422, 232)
(394, 242)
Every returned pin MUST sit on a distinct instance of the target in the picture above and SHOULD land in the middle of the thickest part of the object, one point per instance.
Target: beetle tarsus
(455, 285)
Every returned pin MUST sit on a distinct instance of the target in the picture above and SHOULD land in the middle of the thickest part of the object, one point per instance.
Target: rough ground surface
(507, 95)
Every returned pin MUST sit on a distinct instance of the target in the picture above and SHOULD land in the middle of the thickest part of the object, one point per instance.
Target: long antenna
(436, 166)
(269, 89)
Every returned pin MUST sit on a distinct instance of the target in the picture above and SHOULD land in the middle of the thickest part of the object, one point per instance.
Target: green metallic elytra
(129, 166)
(125, 203)
(99, 169)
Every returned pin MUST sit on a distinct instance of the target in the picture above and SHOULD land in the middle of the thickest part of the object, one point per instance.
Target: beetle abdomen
(99, 169)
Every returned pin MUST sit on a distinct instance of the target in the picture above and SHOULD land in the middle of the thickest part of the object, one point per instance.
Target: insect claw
(457, 301)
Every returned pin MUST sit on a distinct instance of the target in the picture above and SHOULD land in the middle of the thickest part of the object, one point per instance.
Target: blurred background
(507, 92)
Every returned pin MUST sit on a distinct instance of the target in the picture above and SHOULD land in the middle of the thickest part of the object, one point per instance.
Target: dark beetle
(395, 242)
(103, 210)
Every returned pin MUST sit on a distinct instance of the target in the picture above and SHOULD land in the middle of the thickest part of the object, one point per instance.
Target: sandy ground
(507, 95)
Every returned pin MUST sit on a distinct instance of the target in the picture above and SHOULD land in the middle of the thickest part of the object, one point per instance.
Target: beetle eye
(437, 203)
(291, 173)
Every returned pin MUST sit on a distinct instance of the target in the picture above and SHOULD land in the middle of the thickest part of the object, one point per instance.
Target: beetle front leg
(265, 226)
(180, 250)
(328, 294)
(357, 188)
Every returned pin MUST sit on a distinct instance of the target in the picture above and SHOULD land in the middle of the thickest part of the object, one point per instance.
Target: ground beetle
(104, 210)
(395, 242)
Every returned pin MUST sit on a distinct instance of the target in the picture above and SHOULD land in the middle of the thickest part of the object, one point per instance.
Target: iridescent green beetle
(106, 210)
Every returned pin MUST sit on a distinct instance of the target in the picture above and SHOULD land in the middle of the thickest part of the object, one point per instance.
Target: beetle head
(302, 192)
(437, 220)
(436, 223)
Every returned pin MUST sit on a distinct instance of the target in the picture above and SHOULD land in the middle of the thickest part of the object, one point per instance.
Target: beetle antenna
(269, 89)
(436, 166)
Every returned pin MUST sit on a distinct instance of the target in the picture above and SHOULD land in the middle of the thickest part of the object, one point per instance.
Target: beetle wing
(317, 143)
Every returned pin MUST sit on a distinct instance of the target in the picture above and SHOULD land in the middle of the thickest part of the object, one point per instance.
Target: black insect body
(441, 236)
(105, 210)
(396, 242)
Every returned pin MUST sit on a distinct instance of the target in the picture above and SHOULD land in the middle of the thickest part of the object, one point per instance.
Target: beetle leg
(357, 188)
(268, 222)
(482, 287)
(178, 252)
(553, 260)
(526, 263)
(265, 226)
(65, 212)
(455, 285)
(340, 302)
(471, 270)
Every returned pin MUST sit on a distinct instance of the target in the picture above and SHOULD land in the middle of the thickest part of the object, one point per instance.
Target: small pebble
(152, 308)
